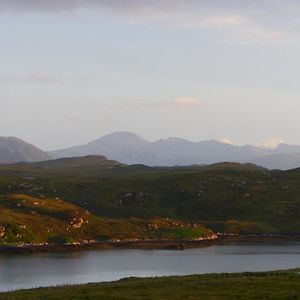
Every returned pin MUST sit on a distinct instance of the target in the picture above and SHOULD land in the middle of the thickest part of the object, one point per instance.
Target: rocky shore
(111, 244)
(215, 239)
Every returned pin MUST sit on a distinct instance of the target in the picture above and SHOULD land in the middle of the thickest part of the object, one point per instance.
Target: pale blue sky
(72, 71)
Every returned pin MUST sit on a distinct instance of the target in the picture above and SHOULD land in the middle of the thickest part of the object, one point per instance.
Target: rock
(2, 231)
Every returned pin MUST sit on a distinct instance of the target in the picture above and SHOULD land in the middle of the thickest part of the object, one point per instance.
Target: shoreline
(220, 239)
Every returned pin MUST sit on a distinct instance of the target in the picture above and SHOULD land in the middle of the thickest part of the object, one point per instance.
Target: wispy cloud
(180, 103)
(257, 36)
(43, 77)
(243, 21)
(33, 77)
(185, 102)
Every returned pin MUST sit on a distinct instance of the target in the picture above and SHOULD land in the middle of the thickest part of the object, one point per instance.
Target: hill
(225, 197)
(14, 150)
(29, 219)
(90, 161)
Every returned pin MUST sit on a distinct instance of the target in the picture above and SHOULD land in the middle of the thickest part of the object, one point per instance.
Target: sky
(72, 71)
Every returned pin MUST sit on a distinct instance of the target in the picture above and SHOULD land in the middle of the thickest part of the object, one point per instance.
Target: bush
(60, 239)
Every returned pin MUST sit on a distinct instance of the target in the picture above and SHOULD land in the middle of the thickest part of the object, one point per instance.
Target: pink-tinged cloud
(176, 104)
(258, 36)
(227, 141)
(218, 21)
(271, 143)
(185, 102)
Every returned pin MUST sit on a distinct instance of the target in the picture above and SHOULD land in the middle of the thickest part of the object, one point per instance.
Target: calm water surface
(25, 271)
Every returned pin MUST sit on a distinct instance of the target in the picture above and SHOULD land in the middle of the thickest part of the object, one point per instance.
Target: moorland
(94, 199)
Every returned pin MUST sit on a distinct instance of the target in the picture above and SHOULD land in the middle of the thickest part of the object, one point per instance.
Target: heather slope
(226, 197)
(32, 220)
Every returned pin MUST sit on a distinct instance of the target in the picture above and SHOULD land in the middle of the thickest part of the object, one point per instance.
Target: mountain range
(129, 148)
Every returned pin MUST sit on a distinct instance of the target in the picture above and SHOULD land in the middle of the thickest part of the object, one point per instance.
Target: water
(26, 271)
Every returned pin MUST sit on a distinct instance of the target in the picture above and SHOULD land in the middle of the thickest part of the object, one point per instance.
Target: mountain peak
(120, 137)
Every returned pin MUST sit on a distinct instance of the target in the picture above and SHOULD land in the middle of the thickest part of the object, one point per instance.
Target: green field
(270, 285)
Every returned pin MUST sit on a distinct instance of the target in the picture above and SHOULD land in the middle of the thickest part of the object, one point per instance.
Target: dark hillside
(226, 197)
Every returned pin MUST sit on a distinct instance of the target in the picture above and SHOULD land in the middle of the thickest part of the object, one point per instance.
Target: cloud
(271, 143)
(33, 77)
(180, 103)
(258, 36)
(221, 21)
(227, 141)
(203, 22)
(42, 77)
(243, 21)
(185, 102)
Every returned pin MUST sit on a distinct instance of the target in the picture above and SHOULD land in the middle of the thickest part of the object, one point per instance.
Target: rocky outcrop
(2, 231)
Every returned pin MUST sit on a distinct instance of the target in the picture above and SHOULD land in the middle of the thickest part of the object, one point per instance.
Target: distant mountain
(124, 147)
(175, 151)
(14, 150)
(280, 161)
(129, 148)
(287, 149)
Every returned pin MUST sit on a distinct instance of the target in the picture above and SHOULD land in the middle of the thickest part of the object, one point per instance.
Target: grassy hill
(247, 286)
(27, 219)
(225, 197)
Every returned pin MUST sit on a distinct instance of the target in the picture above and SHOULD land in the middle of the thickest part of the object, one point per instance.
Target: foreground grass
(270, 285)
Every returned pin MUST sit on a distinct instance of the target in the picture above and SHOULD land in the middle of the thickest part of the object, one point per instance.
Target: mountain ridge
(129, 148)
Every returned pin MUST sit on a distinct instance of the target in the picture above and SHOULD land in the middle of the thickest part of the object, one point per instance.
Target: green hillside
(27, 219)
(225, 197)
